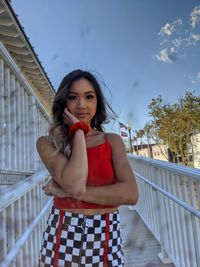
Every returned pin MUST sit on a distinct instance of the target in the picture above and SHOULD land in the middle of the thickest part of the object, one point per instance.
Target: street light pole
(130, 141)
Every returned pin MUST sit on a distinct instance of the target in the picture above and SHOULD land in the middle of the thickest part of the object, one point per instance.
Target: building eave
(16, 42)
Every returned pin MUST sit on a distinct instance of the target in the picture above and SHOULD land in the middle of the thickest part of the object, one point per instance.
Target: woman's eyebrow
(88, 92)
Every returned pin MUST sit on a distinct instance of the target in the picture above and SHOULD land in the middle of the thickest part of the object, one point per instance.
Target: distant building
(154, 151)
(143, 150)
(196, 150)
(160, 152)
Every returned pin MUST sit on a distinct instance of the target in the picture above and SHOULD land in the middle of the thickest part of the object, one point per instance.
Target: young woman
(91, 177)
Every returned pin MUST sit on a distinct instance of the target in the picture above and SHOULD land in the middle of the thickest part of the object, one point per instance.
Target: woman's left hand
(69, 118)
(53, 189)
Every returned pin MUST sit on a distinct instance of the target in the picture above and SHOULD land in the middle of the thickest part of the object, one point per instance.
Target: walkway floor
(140, 246)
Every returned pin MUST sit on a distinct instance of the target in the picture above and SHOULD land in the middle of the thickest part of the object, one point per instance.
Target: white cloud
(198, 76)
(176, 39)
(177, 22)
(163, 56)
(172, 50)
(168, 29)
(166, 56)
(177, 42)
(195, 16)
(164, 41)
(193, 39)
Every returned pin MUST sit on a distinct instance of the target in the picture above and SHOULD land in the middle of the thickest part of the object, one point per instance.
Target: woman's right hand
(69, 118)
(53, 189)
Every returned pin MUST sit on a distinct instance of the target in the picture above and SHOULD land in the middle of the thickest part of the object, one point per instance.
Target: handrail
(13, 192)
(23, 238)
(169, 204)
(26, 207)
(173, 167)
(178, 201)
(16, 172)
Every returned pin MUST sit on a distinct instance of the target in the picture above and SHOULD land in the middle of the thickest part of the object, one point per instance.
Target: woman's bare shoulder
(118, 148)
(111, 135)
(114, 139)
(50, 156)
(45, 146)
(43, 141)
(46, 140)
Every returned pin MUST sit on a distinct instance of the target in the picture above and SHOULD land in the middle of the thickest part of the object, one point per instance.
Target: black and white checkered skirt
(79, 240)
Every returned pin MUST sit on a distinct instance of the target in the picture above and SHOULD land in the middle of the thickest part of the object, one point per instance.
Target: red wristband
(79, 125)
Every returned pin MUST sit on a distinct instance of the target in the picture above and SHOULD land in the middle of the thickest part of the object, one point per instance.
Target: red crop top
(100, 173)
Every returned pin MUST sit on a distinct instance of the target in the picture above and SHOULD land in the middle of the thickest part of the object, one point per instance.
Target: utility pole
(130, 141)
(136, 133)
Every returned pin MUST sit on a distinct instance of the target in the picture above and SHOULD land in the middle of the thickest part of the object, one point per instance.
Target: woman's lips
(81, 114)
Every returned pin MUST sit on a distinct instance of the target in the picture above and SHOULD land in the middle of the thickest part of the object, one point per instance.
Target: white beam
(8, 31)
(2, 116)
(13, 122)
(23, 128)
(28, 70)
(5, 21)
(19, 128)
(17, 41)
(2, 9)
(17, 50)
(30, 65)
(21, 58)
(7, 118)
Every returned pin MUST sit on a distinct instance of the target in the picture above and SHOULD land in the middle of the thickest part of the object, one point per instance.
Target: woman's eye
(71, 97)
(90, 96)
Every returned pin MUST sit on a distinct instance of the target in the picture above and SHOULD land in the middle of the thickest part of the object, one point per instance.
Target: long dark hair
(58, 131)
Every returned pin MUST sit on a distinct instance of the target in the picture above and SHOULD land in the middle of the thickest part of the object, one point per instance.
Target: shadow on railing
(169, 205)
(23, 214)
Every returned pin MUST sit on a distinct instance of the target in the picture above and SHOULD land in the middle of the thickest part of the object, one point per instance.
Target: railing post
(32, 133)
(161, 222)
(7, 118)
(13, 122)
(2, 115)
(3, 236)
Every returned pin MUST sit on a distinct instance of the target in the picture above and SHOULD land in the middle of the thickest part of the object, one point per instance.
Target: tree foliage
(175, 124)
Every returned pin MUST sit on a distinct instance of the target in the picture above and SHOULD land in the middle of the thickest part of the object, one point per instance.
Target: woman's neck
(92, 132)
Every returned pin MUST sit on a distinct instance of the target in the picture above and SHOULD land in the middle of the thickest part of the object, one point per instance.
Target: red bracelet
(79, 125)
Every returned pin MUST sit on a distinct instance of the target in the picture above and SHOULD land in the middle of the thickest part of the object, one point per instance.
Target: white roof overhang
(18, 45)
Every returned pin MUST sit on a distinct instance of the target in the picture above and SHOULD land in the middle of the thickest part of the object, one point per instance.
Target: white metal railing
(23, 214)
(169, 205)
(22, 118)
(8, 177)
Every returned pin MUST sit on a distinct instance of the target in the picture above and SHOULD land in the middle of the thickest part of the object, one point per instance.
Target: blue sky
(139, 48)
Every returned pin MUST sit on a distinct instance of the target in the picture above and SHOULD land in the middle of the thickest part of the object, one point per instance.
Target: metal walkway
(140, 246)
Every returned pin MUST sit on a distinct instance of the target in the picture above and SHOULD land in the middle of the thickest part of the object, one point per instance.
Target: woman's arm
(70, 175)
(124, 192)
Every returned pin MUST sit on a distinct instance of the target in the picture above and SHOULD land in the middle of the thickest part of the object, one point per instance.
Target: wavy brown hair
(58, 131)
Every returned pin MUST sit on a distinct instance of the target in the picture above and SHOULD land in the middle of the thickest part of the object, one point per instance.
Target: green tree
(140, 135)
(175, 124)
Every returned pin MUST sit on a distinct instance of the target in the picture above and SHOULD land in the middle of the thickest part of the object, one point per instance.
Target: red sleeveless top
(100, 173)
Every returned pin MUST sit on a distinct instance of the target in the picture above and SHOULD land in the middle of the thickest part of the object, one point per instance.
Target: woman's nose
(81, 103)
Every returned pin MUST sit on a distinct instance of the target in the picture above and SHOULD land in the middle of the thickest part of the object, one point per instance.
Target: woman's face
(82, 100)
